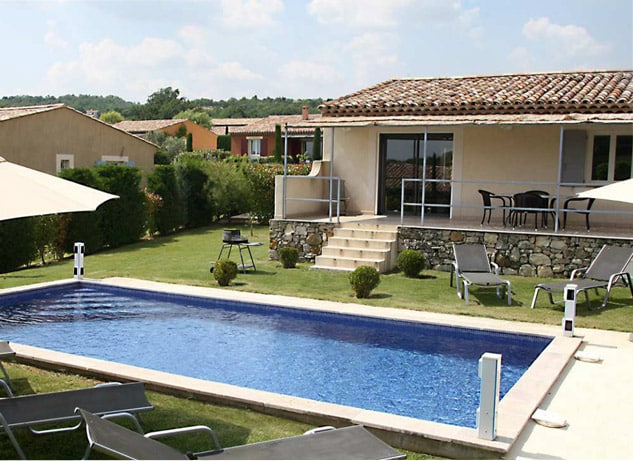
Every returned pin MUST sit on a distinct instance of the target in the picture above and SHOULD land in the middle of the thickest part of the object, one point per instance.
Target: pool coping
(514, 412)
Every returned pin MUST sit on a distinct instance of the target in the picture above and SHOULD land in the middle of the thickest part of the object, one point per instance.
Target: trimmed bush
(169, 215)
(288, 257)
(17, 243)
(224, 271)
(191, 177)
(124, 219)
(363, 280)
(84, 226)
(411, 262)
(224, 142)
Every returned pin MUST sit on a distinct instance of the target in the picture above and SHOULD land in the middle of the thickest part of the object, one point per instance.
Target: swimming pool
(405, 368)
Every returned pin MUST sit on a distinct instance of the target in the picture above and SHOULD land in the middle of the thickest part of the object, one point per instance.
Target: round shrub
(288, 257)
(363, 280)
(224, 271)
(411, 262)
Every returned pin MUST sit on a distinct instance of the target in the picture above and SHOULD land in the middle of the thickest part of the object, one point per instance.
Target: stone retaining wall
(307, 237)
(528, 255)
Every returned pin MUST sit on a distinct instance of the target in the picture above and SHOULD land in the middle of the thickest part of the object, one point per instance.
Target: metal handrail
(556, 210)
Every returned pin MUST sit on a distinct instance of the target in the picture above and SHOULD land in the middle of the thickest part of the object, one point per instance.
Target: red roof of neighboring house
(534, 93)
(267, 125)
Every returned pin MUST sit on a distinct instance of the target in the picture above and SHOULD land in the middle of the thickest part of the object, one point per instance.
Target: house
(223, 126)
(436, 141)
(257, 139)
(202, 138)
(50, 138)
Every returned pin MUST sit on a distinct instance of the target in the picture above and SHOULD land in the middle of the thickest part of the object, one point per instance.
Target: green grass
(185, 258)
(232, 425)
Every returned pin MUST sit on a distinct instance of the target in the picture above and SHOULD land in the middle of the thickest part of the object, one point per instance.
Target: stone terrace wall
(516, 254)
(528, 255)
(307, 237)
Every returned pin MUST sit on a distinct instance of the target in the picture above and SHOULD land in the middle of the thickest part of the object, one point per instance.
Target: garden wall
(307, 237)
(529, 255)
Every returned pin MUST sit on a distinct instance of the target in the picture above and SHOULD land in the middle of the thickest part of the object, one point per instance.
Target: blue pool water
(419, 370)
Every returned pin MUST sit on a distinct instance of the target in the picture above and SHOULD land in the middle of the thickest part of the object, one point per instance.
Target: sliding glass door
(403, 156)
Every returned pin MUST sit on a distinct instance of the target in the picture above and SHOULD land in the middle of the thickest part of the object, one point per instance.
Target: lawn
(185, 258)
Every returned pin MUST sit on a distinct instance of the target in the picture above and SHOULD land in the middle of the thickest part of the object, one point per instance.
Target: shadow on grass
(379, 296)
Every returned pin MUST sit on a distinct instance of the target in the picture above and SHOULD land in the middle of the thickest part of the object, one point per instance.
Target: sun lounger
(354, 442)
(610, 265)
(473, 267)
(111, 399)
(6, 353)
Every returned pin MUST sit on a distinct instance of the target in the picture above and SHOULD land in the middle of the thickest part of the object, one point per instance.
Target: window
(114, 159)
(254, 147)
(611, 157)
(64, 161)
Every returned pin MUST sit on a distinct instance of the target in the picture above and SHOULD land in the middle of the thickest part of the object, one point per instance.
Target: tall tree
(278, 144)
(163, 104)
(316, 144)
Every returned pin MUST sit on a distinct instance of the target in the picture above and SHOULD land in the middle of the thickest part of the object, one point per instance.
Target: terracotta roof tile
(7, 113)
(266, 125)
(143, 126)
(542, 93)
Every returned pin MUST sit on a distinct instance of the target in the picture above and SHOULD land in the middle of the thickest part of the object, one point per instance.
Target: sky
(219, 49)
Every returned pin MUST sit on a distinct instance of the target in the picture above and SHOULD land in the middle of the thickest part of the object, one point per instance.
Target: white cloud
(52, 37)
(250, 13)
(106, 66)
(371, 57)
(235, 71)
(193, 35)
(312, 71)
(566, 40)
(358, 13)
(521, 59)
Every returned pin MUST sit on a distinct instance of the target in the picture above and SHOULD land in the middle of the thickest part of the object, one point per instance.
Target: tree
(163, 104)
(316, 144)
(189, 142)
(111, 117)
(278, 144)
(197, 116)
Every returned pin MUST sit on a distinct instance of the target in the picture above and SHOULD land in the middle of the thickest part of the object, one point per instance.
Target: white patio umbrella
(27, 192)
(621, 191)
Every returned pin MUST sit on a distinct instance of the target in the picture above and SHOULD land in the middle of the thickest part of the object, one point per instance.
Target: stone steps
(358, 245)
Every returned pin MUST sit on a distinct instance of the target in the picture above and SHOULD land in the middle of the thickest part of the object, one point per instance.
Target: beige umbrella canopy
(621, 191)
(26, 192)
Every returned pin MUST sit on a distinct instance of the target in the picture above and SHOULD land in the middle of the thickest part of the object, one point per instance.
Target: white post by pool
(570, 309)
(490, 375)
(79, 260)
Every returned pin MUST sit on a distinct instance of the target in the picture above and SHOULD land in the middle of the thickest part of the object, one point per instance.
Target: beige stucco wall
(486, 154)
(36, 140)
(356, 163)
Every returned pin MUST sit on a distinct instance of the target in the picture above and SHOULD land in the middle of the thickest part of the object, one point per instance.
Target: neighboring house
(561, 132)
(257, 139)
(50, 138)
(203, 138)
(222, 126)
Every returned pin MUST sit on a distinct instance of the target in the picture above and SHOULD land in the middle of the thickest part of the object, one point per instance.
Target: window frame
(60, 159)
(613, 136)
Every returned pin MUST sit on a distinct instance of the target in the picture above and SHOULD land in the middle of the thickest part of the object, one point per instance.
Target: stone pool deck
(593, 397)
